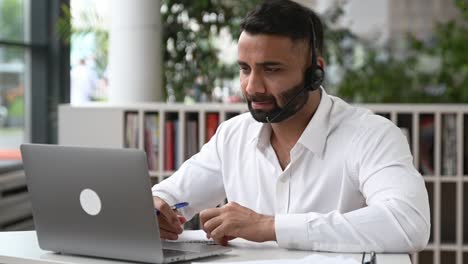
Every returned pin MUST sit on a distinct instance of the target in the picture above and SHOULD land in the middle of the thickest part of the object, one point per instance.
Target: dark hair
(285, 18)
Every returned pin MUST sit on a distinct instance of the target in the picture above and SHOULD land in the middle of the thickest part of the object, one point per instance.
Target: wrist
(268, 228)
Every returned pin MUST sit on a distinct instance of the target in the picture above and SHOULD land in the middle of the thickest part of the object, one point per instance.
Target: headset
(313, 76)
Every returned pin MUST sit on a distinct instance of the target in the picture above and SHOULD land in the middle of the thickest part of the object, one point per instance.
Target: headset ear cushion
(319, 74)
(314, 77)
(317, 78)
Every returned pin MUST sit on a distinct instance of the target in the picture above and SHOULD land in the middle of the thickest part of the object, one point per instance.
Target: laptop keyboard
(172, 252)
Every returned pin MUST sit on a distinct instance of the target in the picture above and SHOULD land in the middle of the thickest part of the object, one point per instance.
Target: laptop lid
(92, 201)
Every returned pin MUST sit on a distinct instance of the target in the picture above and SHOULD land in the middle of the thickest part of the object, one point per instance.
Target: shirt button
(284, 179)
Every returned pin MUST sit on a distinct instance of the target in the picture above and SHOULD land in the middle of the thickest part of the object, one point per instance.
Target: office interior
(71, 73)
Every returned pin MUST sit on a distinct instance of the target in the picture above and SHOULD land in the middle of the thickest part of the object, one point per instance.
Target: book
(155, 141)
(426, 145)
(176, 144)
(169, 150)
(152, 140)
(212, 122)
(131, 130)
(191, 138)
(148, 149)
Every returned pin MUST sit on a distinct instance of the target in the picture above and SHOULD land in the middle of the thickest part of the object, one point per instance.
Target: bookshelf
(436, 135)
(176, 131)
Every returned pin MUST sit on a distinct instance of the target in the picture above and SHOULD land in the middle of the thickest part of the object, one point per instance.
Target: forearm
(386, 227)
(199, 185)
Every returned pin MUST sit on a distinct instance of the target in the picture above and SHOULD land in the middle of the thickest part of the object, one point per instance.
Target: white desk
(22, 248)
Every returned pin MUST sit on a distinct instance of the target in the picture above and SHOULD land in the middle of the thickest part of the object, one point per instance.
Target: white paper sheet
(312, 259)
(194, 236)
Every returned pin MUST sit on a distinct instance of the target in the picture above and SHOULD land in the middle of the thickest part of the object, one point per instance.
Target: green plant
(189, 31)
(432, 71)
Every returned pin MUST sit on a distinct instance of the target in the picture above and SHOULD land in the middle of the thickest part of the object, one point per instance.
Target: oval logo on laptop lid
(90, 202)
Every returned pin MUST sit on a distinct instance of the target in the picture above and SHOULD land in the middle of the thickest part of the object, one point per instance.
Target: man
(303, 168)
(83, 83)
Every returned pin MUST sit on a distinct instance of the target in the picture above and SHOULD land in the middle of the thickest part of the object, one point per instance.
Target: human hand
(233, 220)
(170, 223)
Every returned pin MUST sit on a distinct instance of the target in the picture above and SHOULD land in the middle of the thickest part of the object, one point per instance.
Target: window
(14, 50)
(34, 74)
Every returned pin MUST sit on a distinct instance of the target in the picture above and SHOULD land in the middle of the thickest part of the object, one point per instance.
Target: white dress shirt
(350, 185)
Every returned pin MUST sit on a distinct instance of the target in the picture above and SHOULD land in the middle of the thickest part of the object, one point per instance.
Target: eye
(244, 69)
(271, 69)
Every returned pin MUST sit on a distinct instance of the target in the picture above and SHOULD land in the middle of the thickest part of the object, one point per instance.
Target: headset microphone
(286, 106)
(311, 87)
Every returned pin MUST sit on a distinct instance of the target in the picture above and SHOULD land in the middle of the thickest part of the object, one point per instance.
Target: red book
(212, 122)
(148, 150)
(169, 146)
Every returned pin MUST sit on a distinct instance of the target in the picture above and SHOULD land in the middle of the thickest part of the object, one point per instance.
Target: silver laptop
(98, 202)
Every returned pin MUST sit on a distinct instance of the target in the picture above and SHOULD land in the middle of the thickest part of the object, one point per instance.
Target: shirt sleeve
(198, 181)
(396, 218)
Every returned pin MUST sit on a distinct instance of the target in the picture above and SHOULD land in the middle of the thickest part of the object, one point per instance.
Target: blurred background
(376, 51)
(405, 59)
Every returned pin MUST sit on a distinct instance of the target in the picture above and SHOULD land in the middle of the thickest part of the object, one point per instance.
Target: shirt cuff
(291, 230)
(166, 197)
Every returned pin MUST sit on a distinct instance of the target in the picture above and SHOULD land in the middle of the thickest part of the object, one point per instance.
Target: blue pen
(175, 206)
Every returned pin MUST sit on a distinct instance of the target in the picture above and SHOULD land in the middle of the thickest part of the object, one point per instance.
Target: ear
(321, 62)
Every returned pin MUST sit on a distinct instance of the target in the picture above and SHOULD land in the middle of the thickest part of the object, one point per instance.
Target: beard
(292, 100)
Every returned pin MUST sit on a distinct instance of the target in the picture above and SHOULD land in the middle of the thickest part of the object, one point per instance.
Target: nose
(254, 83)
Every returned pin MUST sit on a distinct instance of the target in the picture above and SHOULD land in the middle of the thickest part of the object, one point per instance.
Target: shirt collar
(315, 134)
(261, 133)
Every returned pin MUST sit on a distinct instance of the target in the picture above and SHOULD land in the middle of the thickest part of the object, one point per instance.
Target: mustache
(259, 98)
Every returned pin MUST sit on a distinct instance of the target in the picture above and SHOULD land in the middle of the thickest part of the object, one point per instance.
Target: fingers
(164, 224)
(211, 224)
(213, 219)
(164, 234)
(182, 219)
(166, 211)
(170, 223)
(207, 214)
(219, 234)
(168, 231)
(225, 239)
(218, 238)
